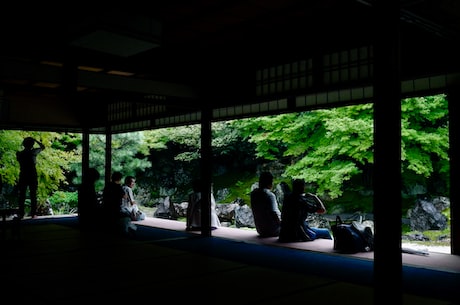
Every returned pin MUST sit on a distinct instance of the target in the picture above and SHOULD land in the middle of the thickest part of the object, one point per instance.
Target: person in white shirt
(264, 206)
(129, 205)
(128, 202)
(193, 220)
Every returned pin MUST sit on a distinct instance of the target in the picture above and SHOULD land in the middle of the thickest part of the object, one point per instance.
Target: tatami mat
(434, 260)
(54, 263)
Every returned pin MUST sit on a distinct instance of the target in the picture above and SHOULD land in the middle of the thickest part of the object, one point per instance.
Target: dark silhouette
(89, 208)
(112, 199)
(267, 216)
(296, 207)
(28, 177)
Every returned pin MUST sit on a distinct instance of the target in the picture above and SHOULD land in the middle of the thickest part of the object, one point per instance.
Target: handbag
(352, 237)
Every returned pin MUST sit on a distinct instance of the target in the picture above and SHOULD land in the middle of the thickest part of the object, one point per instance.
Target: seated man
(296, 208)
(267, 216)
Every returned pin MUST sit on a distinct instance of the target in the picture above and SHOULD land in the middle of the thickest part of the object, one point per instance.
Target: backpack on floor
(352, 237)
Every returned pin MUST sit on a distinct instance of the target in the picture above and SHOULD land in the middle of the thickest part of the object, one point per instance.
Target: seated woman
(193, 220)
(296, 208)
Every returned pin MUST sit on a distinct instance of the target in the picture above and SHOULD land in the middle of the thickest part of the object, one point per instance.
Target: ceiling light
(91, 69)
(120, 73)
(46, 85)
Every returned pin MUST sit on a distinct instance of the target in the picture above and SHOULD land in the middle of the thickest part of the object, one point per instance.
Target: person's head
(130, 181)
(28, 142)
(116, 177)
(266, 180)
(93, 174)
(298, 186)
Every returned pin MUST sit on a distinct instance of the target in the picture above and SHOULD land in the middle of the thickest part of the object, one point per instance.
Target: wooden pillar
(206, 170)
(453, 99)
(387, 154)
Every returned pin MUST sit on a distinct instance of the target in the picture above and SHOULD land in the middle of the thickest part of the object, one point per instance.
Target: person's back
(296, 208)
(264, 206)
(28, 177)
(26, 159)
(112, 196)
(88, 205)
(293, 215)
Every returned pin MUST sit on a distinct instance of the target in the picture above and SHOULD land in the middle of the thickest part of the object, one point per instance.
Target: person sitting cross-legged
(296, 207)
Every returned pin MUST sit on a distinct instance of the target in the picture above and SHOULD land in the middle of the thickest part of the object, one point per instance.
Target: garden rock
(427, 214)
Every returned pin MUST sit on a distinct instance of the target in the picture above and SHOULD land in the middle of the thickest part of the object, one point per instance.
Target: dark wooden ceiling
(183, 53)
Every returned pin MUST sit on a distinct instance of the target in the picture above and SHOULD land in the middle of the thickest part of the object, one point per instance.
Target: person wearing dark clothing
(89, 208)
(112, 199)
(264, 206)
(296, 207)
(28, 177)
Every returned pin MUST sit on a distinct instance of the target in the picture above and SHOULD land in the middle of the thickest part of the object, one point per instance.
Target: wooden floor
(434, 260)
(53, 263)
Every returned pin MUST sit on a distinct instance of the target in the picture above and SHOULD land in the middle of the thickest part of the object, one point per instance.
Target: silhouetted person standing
(28, 177)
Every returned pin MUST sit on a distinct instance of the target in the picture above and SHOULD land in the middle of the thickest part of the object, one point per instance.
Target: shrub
(64, 202)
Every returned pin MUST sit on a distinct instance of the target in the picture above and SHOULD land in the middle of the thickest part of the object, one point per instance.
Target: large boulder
(244, 217)
(427, 214)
